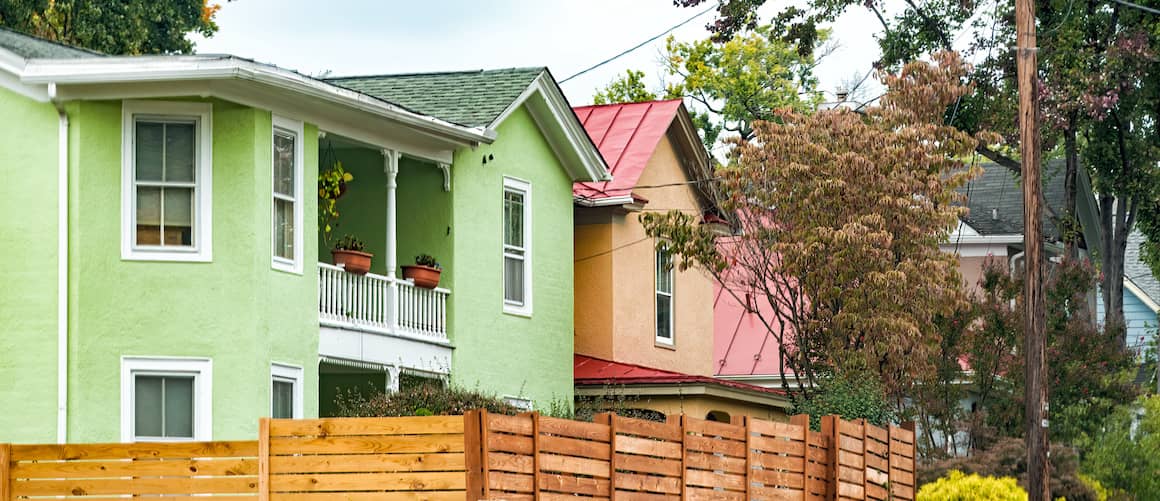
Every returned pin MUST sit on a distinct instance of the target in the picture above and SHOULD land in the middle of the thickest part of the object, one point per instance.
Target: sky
(366, 37)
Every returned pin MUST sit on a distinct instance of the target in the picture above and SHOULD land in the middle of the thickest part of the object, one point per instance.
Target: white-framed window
(523, 404)
(166, 170)
(664, 295)
(517, 246)
(287, 195)
(169, 399)
(285, 391)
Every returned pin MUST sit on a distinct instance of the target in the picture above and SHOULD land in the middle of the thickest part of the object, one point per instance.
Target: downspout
(61, 268)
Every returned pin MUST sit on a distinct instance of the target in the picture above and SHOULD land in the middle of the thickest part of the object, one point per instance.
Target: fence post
(264, 459)
(679, 419)
(472, 447)
(608, 418)
(5, 472)
(831, 432)
(803, 420)
(745, 421)
(484, 454)
(535, 416)
(865, 467)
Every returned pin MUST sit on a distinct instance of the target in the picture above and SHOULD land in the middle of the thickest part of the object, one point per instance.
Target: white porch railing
(364, 302)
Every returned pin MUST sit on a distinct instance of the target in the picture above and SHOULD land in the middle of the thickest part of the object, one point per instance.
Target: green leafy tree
(1126, 455)
(842, 216)
(629, 88)
(127, 27)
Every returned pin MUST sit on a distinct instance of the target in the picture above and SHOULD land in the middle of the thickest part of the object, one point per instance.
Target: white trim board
(295, 128)
(293, 374)
(202, 371)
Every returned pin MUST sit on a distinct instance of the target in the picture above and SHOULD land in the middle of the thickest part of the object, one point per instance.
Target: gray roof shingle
(470, 98)
(30, 47)
(1136, 270)
(995, 199)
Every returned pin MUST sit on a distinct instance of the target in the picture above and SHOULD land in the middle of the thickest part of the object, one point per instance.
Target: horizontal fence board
(712, 462)
(707, 444)
(422, 425)
(777, 494)
(580, 466)
(356, 463)
(771, 478)
(515, 444)
(360, 496)
(510, 482)
(650, 429)
(712, 479)
(714, 429)
(575, 485)
(152, 485)
(648, 483)
(778, 445)
(513, 463)
(137, 468)
(341, 482)
(383, 444)
(574, 447)
(703, 494)
(574, 429)
(518, 425)
(645, 464)
(136, 450)
(645, 496)
(774, 462)
(648, 447)
(167, 497)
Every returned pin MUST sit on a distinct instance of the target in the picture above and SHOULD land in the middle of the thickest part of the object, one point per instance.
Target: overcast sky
(362, 37)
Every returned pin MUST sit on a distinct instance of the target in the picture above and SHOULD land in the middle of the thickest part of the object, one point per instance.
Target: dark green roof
(470, 98)
(30, 47)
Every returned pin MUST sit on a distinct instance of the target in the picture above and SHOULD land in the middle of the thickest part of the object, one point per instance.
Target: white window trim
(672, 294)
(291, 374)
(202, 371)
(203, 217)
(277, 262)
(525, 309)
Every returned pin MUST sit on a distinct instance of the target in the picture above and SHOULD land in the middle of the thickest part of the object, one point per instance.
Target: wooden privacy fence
(531, 457)
(482, 456)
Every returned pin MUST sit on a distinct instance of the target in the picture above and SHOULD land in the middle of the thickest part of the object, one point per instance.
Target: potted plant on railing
(350, 254)
(425, 272)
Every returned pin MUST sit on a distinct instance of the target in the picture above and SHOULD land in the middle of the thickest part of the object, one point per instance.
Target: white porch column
(391, 166)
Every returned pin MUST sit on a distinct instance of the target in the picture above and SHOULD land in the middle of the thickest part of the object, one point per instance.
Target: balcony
(365, 303)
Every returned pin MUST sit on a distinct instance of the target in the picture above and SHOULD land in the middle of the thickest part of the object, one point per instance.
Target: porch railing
(369, 302)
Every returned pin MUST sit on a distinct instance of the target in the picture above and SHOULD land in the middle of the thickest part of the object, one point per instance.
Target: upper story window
(166, 399)
(166, 167)
(664, 294)
(517, 246)
(287, 195)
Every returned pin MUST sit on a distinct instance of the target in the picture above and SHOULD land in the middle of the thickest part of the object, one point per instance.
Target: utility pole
(1035, 347)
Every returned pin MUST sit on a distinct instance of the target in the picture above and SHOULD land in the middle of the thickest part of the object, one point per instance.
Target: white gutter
(62, 268)
(175, 68)
(602, 202)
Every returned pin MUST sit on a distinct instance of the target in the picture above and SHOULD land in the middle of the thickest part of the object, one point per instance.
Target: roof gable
(627, 134)
(471, 98)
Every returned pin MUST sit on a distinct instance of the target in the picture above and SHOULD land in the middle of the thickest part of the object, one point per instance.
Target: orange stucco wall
(624, 280)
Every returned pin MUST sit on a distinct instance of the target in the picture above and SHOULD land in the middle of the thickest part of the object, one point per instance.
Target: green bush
(1126, 458)
(1008, 458)
(957, 486)
(850, 394)
(419, 400)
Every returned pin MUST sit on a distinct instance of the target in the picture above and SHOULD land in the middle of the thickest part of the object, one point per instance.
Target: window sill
(668, 345)
(286, 266)
(517, 311)
(168, 256)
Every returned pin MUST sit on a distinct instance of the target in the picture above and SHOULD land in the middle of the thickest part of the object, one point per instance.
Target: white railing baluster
(369, 302)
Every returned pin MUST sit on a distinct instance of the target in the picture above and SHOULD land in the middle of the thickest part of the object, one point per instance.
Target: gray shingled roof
(1136, 270)
(30, 47)
(470, 98)
(999, 192)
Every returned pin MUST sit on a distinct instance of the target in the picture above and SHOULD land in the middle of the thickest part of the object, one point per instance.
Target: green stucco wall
(236, 310)
(28, 272)
(506, 354)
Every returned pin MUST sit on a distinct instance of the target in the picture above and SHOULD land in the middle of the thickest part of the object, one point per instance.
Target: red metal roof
(594, 371)
(626, 134)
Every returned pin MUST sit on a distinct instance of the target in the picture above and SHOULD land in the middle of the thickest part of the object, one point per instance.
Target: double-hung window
(664, 295)
(287, 195)
(517, 246)
(166, 169)
(165, 399)
(285, 391)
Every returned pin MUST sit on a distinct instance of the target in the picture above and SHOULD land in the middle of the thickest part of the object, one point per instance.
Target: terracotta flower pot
(424, 276)
(355, 262)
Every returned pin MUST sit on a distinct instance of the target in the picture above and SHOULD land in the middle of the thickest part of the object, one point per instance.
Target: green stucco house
(165, 277)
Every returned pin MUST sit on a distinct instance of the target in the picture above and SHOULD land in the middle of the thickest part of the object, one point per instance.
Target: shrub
(850, 394)
(1008, 458)
(957, 486)
(1125, 458)
(420, 400)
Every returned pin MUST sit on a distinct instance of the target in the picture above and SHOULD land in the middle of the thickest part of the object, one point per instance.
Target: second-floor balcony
(381, 304)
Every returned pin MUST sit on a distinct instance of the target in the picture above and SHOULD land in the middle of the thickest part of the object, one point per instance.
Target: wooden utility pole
(1035, 340)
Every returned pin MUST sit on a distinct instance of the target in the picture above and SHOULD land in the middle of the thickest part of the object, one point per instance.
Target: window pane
(178, 216)
(664, 272)
(284, 164)
(664, 316)
(179, 151)
(513, 216)
(283, 400)
(283, 228)
(179, 407)
(149, 139)
(148, 216)
(513, 279)
(147, 406)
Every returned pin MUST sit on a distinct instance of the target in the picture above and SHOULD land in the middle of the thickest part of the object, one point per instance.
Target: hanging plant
(332, 184)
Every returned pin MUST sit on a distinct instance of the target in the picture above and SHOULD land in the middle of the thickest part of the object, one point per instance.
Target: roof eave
(176, 68)
(684, 390)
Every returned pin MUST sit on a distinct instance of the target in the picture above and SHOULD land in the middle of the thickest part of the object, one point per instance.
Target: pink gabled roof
(742, 344)
(588, 370)
(626, 135)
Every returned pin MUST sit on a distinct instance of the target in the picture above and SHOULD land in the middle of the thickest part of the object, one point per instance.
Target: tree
(629, 88)
(128, 27)
(842, 214)
(1126, 456)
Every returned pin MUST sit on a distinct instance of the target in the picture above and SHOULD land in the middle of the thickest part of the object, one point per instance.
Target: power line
(610, 251)
(639, 45)
(1137, 6)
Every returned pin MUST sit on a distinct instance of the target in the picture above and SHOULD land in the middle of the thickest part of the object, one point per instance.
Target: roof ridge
(434, 73)
(653, 101)
(53, 42)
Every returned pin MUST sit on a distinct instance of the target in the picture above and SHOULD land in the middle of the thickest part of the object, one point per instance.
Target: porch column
(391, 166)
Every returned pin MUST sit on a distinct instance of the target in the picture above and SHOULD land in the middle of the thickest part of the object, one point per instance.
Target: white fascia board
(11, 68)
(560, 115)
(1140, 294)
(602, 202)
(177, 68)
(983, 239)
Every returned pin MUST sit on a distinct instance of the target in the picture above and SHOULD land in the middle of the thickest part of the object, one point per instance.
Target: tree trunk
(1070, 227)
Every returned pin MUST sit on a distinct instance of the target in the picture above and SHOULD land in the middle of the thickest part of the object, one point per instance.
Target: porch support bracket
(446, 168)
